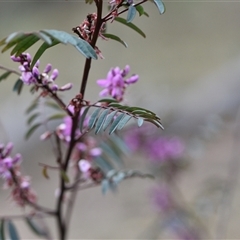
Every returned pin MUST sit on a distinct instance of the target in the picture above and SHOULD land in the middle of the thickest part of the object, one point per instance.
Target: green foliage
(5, 75)
(12, 231)
(22, 41)
(116, 38)
(17, 87)
(33, 115)
(131, 25)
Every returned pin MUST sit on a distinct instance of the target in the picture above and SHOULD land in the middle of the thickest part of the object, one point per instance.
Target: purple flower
(115, 84)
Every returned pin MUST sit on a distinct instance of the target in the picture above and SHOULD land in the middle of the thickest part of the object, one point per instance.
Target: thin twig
(10, 70)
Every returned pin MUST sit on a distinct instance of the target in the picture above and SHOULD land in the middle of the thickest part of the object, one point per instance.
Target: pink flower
(115, 84)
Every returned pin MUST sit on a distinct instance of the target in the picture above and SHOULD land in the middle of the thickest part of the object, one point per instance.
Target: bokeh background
(189, 67)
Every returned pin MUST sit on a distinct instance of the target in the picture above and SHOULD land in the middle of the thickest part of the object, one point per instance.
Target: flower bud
(65, 87)
(48, 68)
(55, 74)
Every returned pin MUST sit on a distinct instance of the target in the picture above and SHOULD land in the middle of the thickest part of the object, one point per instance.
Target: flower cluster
(21, 191)
(159, 149)
(115, 84)
(33, 76)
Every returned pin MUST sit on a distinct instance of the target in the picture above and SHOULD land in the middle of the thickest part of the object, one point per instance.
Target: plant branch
(10, 70)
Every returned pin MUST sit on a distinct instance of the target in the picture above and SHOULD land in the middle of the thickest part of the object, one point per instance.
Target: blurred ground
(189, 69)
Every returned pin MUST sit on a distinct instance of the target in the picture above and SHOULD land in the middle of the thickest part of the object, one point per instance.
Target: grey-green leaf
(103, 164)
(108, 120)
(93, 118)
(110, 151)
(81, 45)
(131, 25)
(116, 38)
(13, 234)
(124, 122)
(2, 229)
(105, 186)
(44, 37)
(108, 100)
(82, 118)
(101, 120)
(116, 122)
(140, 121)
(131, 13)
(160, 6)
(35, 227)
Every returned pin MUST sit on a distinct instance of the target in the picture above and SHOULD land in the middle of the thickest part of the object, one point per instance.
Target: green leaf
(101, 120)
(158, 124)
(124, 122)
(81, 45)
(56, 116)
(131, 13)
(18, 86)
(32, 106)
(24, 44)
(41, 50)
(3, 41)
(108, 120)
(108, 100)
(82, 118)
(160, 6)
(32, 118)
(93, 118)
(35, 227)
(65, 176)
(12, 41)
(31, 130)
(131, 25)
(5, 75)
(140, 9)
(53, 105)
(140, 121)
(116, 38)
(2, 229)
(13, 234)
(116, 122)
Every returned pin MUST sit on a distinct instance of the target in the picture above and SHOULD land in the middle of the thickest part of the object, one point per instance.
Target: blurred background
(189, 67)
